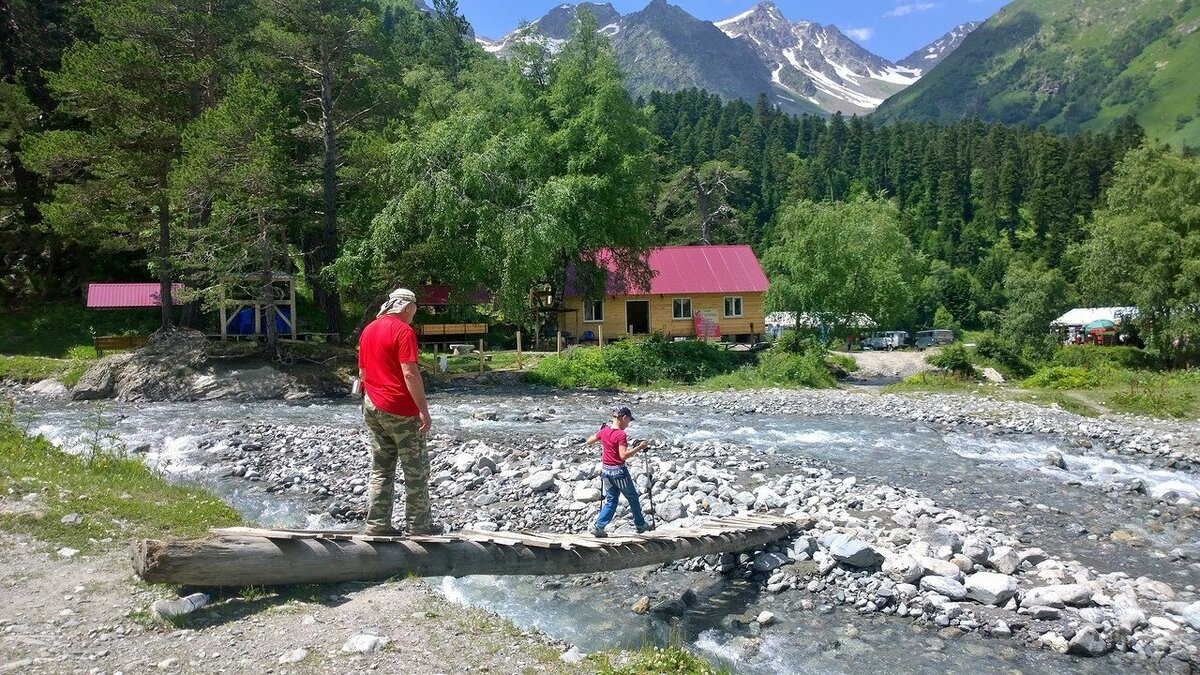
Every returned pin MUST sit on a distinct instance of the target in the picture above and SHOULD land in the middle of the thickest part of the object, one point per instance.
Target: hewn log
(244, 560)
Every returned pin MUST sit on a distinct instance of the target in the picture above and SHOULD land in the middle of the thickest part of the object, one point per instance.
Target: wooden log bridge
(241, 556)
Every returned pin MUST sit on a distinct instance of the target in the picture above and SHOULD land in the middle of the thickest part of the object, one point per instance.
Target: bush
(1064, 377)
(794, 370)
(631, 362)
(1002, 353)
(1090, 356)
(956, 359)
(581, 367)
(795, 342)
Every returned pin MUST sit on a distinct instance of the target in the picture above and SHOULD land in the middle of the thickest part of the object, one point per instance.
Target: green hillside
(1072, 66)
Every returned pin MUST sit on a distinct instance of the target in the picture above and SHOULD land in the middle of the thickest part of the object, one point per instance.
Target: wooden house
(694, 291)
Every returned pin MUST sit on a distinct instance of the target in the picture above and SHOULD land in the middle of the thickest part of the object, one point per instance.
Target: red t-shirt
(611, 441)
(386, 343)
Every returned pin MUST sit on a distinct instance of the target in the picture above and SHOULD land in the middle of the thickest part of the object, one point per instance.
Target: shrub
(1090, 356)
(956, 359)
(581, 367)
(1003, 353)
(795, 342)
(1064, 377)
(794, 370)
(631, 362)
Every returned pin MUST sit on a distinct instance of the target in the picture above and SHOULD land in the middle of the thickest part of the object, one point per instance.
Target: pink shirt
(611, 440)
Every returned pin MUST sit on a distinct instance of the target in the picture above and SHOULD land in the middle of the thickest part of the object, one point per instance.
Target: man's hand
(426, 422)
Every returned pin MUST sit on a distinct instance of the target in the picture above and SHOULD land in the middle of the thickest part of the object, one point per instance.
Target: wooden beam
(246, 559)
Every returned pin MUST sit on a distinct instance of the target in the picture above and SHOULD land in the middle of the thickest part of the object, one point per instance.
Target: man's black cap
(622, 411)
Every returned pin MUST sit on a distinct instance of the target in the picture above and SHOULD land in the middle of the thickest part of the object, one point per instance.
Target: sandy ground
(883, 366)
(89, 615)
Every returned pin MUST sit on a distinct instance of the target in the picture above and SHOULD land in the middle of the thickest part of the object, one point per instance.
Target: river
(1067, 512)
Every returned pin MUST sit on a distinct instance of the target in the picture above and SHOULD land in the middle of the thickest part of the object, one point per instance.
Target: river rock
(990, 588)
(765, 618)
(976, 550)
(670, 510)
(902, 569)
(541, 481)
(944, 537)
(50, 388)
(573, 656)
(1054, 642)
(292, 656)
(804, 546)
(1191, 614)
(164, 610)
(1055, 459)
(365, 644)
(1004, 560)
(641, 606)
(851, 551)
(769, 562)
(1087, 642)
(1058, 595)
(941, 568)
(944, 586)
(586, 493)
(1129, 614)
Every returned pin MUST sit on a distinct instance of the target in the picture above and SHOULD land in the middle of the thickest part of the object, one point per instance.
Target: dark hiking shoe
(597, 532)
(383, 532)
(642, 529)
(433, 530)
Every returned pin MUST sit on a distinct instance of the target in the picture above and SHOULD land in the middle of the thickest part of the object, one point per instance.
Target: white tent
(790, 320)
(1082, 316)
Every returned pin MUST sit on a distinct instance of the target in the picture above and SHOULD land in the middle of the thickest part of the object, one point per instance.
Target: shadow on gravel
(227, 604)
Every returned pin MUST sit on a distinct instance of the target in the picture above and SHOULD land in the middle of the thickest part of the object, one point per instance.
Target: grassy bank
(115, 497)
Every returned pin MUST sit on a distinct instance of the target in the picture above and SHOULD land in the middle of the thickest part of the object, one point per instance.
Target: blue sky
(890, 28)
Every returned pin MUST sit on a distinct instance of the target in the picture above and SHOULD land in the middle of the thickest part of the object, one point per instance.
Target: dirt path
(881, 366)
(89, 615)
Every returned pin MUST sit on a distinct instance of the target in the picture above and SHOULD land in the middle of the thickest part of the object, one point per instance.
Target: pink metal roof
(691, 269)
(115, 296)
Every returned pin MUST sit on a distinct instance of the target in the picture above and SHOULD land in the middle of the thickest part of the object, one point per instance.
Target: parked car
(889, 340)
(934, 338)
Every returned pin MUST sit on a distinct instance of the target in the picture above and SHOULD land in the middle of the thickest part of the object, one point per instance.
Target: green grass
(65, 329)
(34, 368)
(658, 660)
(119, 498)
(932, 382)
(469, 363)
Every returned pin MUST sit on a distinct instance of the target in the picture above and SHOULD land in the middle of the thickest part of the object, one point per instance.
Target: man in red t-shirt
(397, 414)
(614, 475)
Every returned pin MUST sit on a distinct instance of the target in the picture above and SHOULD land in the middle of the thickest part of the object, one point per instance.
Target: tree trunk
(164, 260)
(266, 289)
(332, 302)
(246, 559)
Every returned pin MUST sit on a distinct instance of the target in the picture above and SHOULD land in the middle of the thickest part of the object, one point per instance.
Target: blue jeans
(617, 482)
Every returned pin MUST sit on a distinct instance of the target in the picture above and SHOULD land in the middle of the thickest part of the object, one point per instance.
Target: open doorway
(637, 317)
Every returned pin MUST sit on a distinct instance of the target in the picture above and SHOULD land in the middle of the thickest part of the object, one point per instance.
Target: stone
(1128, 612)
(365, 644)
(542, 481)
(851, 551)
(1088, 642)
(164, 610)
(1055, 459)
(1004, 560)
(1058, 595)
(976, 550)
(990, 588)
(1054, 642)
(944, 537)
(641, 606)
(944, 586)
(1034, 556)
(67, 551)
(1191, 614)
(50, 388)
(1042, 613)
(765, 618)
(293, 656)
(1153, 590)
(586, 493)
(902, 569)
(940, 568)
(72, 519)
(670, 510)
(487, 499)
(1001, 630)
(769, 562)
(573, 656)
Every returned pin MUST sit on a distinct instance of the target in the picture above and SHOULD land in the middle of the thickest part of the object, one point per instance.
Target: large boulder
(990, 588)
(1088, 642)
(769, 562)
(586, 493)
(49, 387)
(940, 568)
(541, 481)
(1191, 614)
(845, 548)
(976, 550)
(670, 510)
(944, 537)
(944, 586)
(1128, 612)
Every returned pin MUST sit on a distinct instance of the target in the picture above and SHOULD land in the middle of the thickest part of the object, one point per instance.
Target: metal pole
(558, 343)
(601, 336)
(518, 350)
(480, 355)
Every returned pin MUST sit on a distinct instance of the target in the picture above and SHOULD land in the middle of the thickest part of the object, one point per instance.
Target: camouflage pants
(397, 438)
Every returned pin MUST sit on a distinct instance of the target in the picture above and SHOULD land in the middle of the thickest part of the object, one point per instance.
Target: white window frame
(589, 307)
(679, 316)
(740, 309)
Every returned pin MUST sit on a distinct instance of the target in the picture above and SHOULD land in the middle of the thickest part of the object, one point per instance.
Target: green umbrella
(1102, 324)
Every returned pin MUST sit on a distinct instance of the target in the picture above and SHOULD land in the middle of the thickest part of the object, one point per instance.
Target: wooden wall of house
(661, 315)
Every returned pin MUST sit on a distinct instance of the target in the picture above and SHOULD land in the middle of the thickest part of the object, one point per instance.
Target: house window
(593, 311)
(681, 308)
(733, 307)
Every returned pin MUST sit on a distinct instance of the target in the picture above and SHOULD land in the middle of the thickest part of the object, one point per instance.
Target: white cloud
(860, 34)
(911, 8)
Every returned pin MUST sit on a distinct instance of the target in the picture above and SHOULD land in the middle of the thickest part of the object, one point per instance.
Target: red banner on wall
(705, 322)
